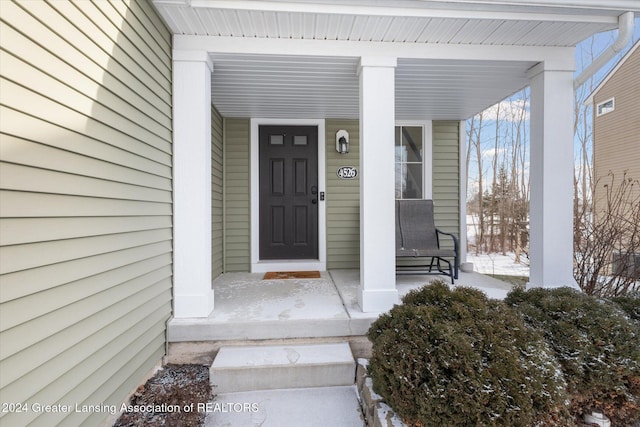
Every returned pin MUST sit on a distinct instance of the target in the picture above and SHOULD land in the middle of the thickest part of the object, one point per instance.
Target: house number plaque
(347, 172)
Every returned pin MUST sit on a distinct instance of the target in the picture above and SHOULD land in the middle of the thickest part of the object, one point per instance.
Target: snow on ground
(495, 293)
(495, 263)
(498, 264)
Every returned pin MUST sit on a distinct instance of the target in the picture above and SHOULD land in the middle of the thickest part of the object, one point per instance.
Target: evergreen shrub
(456, 358)
(630, 304)
(597, 346)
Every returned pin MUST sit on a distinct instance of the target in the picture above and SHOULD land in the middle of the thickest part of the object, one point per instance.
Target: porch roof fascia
(558, 58)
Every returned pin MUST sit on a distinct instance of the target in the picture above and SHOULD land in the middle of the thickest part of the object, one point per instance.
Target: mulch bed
(170, 398)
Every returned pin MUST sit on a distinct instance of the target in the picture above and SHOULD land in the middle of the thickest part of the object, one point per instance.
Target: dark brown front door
(288, 192)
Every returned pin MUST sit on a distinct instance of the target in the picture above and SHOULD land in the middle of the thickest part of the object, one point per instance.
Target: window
(409, 160)
(276, 140)
(605, 107)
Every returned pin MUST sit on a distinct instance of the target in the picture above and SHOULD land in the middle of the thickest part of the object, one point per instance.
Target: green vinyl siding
(342, 198)
(445, 182)
(217, 211)
(446, 177)
(85, 203)
(237, 214)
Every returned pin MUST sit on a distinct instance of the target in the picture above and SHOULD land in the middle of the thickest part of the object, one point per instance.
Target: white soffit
(327, 87)
(454, 90)
(458, 22)
(285, 86)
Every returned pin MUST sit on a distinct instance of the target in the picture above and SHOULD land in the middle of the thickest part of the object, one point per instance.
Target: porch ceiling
(323, 87)
(494, 22)
(297, 86)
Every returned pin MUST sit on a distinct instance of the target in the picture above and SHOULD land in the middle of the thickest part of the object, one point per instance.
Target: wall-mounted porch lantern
(342, 141)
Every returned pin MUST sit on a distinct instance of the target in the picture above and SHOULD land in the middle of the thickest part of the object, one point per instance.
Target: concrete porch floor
(248, 308)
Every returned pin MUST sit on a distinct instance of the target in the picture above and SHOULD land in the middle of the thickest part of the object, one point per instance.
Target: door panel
(277, 177)
(300, 177)
(301, 225)
(277, 225)
(288, 187)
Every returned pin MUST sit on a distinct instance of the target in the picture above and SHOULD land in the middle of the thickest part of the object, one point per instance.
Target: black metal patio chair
(418, 238)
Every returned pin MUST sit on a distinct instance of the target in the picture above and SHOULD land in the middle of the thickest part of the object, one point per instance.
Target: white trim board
(462, 140)
(258, 266)
(560, 58)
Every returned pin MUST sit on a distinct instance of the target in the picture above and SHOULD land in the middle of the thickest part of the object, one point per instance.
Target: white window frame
(609, 110)
(427, 147)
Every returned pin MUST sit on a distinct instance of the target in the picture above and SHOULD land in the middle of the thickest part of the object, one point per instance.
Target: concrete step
(251, 368)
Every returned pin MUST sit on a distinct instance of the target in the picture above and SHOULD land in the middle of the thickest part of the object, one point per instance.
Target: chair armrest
(455, 239)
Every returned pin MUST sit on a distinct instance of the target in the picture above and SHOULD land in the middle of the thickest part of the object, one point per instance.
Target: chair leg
(431, 264)
(456, 266)
(449, 267)
(451, 273)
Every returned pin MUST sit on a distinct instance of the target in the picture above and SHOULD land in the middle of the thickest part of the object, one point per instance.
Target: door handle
(314, 189)
(314, 201)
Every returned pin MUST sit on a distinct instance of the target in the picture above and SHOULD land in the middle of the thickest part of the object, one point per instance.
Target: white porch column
(193, 296)
(551, 169)
(377, 195)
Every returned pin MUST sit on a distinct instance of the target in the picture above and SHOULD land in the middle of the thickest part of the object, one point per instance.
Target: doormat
(278, 275)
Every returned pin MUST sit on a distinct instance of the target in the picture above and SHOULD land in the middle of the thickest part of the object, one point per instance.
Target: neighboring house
(616, 119)
(616, 129)
(139, 139)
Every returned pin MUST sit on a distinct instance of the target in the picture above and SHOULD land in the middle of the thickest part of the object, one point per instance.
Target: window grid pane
(300, 140)
(409, 164)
